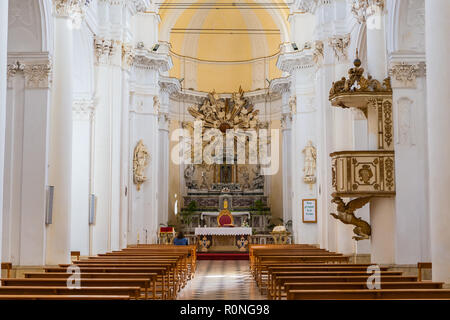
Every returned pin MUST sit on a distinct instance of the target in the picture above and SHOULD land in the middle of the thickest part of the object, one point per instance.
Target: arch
(25, 21)
(233, 56)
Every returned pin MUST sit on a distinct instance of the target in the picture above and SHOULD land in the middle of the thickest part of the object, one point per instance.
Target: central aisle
(221, 280)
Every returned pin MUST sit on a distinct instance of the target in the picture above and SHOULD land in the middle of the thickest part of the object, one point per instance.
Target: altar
(223, 239)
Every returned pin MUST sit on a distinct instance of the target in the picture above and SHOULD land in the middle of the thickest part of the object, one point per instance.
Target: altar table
(223, 239)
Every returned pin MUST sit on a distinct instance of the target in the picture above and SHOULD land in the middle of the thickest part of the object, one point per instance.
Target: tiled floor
(221, 280)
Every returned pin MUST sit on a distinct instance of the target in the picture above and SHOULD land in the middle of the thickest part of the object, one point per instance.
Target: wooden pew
(383, 294)
(312, 274)
(63, 297)
(293, 269)
(134, 284)
(356, 286)
(131, 292)
(420, 266)
(185, 266)
(174, 279)
(8, 267)
(275, 271)
(162, 273)
(262, 259)
(114, 275)
(146, 281)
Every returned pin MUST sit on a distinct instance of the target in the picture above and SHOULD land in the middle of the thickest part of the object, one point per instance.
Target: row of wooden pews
(304, 272)
(137, 272)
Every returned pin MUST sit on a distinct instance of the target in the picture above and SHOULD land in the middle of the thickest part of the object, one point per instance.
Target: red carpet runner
(222, 256)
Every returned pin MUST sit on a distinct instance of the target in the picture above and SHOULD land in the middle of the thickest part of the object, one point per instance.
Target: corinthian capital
(340, 45)
(404, 74)
(362, 9)
(306, 5)
(38, 75)
(74, 9)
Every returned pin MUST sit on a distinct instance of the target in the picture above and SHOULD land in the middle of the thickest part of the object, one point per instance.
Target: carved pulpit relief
(309, 168)
(141, 158)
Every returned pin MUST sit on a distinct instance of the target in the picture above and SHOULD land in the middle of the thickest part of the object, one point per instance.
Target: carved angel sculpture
(346, 215)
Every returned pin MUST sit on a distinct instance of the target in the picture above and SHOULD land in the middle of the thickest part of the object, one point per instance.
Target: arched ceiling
(221, 44)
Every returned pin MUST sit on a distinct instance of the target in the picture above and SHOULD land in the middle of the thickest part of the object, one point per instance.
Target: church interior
(224, 150)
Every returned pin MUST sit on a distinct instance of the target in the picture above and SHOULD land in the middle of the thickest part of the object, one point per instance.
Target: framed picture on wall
(309, 210)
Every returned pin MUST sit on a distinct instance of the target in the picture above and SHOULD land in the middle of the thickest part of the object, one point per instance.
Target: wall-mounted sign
(309, 210)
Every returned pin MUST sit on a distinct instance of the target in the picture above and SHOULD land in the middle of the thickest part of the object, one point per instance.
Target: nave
(221, 280)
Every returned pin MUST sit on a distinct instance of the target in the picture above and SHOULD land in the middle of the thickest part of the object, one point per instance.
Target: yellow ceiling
(223, 42)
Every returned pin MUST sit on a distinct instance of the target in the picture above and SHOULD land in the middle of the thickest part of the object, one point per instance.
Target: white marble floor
(221, 280)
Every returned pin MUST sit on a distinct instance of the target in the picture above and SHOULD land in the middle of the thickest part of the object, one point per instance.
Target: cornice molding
(169, 85)
(290, 61)
(197, 97)
(146, 59)
(280, 85)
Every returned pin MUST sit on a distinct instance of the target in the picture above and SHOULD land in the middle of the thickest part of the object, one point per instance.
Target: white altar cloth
(223, 231)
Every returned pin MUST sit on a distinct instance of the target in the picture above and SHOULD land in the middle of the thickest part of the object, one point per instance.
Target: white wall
(3, 70)
(26, 143)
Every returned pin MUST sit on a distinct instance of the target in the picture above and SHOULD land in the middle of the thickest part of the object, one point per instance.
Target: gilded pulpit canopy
(141, 158)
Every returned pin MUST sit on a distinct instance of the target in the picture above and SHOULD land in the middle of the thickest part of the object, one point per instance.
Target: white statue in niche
(156, 104)
(293, 104)
(141, 158)
(309, 169)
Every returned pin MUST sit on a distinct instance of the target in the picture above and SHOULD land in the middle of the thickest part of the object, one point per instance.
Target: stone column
(163, 168)
(127, 61)
(376, 60)
(382, 210)
(282, 86)
(342, 128)
(438, 97)
(3, 56)
(305, 124)
(144, 111)
(376, 43)
(60, 157)
(410, 138)
(167, 87)
(286, 132)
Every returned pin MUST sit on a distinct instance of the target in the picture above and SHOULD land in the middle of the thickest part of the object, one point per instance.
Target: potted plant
(186, 214)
